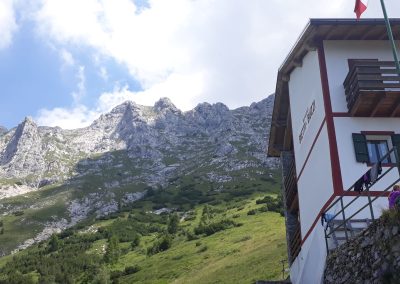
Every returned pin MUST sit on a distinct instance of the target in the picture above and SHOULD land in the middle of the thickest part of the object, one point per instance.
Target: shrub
(252, 212)
(212, 228)
(113, 251)
(202, 249)
(18, 213)
(190, 236)
(161, 245)
(132, 269)
(173, 223)
(135, 242)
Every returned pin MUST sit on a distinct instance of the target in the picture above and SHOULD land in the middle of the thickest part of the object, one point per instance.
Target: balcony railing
(341, 221)
(290, 185)
(372, 88)
(295, 243)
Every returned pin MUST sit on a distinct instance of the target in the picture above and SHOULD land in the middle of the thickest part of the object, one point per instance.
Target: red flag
(361, 6)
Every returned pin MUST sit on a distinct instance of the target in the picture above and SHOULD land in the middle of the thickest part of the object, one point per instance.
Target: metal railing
(345, 220)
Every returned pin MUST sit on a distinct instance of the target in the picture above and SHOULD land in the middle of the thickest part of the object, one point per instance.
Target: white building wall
(309, 266)
(350, 168)
(336, 54)
(305, 88)
(315, 184)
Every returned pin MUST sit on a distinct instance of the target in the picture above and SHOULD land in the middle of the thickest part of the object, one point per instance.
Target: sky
(65, 62)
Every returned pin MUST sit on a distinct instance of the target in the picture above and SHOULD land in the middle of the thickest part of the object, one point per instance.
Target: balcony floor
(379, 103)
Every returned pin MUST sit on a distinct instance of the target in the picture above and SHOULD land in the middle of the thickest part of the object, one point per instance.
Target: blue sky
(64, 62)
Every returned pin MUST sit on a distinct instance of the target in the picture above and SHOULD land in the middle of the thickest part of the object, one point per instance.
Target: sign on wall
(306, 120)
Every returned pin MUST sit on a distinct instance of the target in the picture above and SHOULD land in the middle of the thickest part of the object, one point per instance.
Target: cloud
(67, 118)
(190, 51)
(67, 58)
(80, 93)
(8, 24)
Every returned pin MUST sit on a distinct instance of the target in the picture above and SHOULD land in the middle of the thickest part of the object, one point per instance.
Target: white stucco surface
(309, 266)
(351, 169)
(315, 186)
(304, 88)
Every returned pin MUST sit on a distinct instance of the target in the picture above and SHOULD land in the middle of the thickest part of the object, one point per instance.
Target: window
(377, 149)
(370, 148)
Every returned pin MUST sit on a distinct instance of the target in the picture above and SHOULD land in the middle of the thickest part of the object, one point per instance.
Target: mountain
(2, 130)
(51, 179)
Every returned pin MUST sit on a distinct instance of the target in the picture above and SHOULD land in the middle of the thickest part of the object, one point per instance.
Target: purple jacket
(392, 198)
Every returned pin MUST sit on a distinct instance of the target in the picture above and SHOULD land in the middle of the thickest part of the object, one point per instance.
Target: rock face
(151, 136)
(372, 257)
(2, 130)
(125, 154)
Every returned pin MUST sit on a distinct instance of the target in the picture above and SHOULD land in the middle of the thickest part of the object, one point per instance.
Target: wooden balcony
(295, 243)
(290, 185)
(372, 89)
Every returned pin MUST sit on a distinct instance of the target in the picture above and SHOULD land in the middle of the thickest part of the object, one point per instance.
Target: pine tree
(113, 251)
(173, 224)
(54, 243)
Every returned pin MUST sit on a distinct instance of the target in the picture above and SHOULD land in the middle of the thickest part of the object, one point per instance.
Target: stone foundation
(371, 257)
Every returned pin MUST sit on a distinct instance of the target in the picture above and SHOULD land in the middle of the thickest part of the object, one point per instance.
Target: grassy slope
(237, 255)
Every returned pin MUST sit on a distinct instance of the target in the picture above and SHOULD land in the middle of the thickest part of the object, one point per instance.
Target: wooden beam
(286, 77)
(395, 109)
(279, 123)
(298, 62)
(287, 140)
(330, 32)
(355, 106)
(310, 46)
(377, 103)
(368, 33)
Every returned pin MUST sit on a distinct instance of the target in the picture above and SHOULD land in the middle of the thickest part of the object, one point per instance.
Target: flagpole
(390, 35)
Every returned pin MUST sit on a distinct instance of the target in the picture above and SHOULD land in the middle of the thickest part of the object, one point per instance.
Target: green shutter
(360, 148)
(396, 142)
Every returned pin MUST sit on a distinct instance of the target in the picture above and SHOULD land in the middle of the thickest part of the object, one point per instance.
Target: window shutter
(396, 142)
(360, 148)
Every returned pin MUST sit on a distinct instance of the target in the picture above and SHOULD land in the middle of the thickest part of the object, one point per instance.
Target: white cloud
(67, 118)
(67, 58)
(103, 73)
(81, 89)
(8, 24)
(190, 51)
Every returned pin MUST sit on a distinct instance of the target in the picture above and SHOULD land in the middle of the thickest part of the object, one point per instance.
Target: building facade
(336, 116)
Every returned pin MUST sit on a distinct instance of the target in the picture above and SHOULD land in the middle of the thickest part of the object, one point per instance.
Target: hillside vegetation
(233, 237)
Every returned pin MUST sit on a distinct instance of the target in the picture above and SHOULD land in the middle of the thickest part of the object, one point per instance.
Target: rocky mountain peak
(3, 130)
(164, 104)
(24, 150)
(127, 105)
(206, 108)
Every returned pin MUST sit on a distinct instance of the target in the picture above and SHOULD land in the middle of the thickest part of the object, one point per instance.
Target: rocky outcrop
(96, 170)
(210, 133)
(372, 257)
(22, 155)
(3, 130)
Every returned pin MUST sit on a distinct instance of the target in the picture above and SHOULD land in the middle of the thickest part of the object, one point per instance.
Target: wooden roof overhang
(316, 31)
